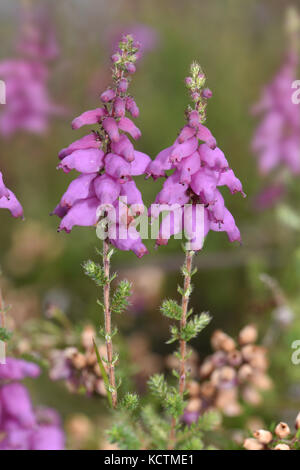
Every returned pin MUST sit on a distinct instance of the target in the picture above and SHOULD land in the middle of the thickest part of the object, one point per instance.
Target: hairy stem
(182, 346)
(108, 330)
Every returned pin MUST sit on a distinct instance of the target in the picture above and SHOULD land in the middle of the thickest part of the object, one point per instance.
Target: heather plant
(107, 161)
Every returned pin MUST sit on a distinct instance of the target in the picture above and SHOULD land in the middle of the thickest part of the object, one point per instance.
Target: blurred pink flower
(28, 104)
(276, 141)
(21, 426)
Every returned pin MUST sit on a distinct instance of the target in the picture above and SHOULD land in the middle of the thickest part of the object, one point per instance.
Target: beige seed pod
(244, 373)
(261, 381)
(263, 436)
(297, 421)
(216, 378)
(79, 427)
(226, 397)
(252, 444)
(282, 430)
(232, 409)
(234, 358)
(251, 395)
(207, 389)
(227, 374)
(221, 340)
(79, 360)
(193, 388)
(100, 387)
(206, 368)
(87, 336)
(91, 358)
(282, 447)
(194, 405)
(248, 335)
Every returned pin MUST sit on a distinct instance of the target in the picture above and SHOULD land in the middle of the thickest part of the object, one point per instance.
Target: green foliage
(195, 326)
(119, 301)
(95, 272)
(5, 334)
(130, 402)
(171, 309)
(124, 435)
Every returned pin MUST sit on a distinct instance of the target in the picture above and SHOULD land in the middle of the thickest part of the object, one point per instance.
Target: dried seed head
(244, 373)
(194, 405)
(207, 389)
(79, 360)
(248, 335)
(261, 381)
(193, 388)
(282, 447)
(206, 368)
(87, 336)
(282, 430)
(263, 436)
(252, 444)
(251, 396)
(221, 340)
(234, 358)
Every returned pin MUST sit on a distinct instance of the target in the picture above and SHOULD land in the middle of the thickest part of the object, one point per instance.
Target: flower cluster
(28, 103)
(277, 139)
(21, 426)
(9, 201)
(230, 372)
(281, 439)
(200, 168)
(107, 161)
(79, 369)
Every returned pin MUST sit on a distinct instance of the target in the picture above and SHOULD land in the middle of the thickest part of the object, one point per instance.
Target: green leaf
(103, 373)
(171, 309)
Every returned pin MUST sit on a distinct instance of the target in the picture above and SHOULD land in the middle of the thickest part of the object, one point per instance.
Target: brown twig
(108, 330)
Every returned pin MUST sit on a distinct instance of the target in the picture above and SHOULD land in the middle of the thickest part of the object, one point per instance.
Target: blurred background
(240, 46)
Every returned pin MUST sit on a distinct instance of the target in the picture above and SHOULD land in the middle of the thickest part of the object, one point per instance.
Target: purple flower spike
(4, 192)
(199, 170)
(107, 161)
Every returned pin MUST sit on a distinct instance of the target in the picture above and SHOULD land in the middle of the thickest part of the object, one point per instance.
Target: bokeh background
(240, 45)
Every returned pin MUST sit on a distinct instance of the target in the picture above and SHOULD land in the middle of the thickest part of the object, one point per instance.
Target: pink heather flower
(28, 105)
(199, 169)
(21, 426)
(276, 141)
(9, 201)
(106, 162)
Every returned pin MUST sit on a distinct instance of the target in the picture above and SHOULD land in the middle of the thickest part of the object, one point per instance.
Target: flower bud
(221, 340)
(263, 436)
(108, 95)
(206, 93)
(252, 444)
(188, 81)
(130, 67)
(244, 372)
(115, 58)
(282, 430)
(248, 335)
(123, 85)
(282, 447)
